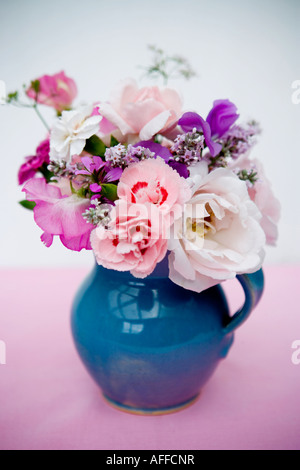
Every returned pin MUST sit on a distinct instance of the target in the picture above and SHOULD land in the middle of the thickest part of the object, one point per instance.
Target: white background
(247, 51)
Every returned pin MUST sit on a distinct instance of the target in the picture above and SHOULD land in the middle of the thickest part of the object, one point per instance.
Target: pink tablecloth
(47, 400)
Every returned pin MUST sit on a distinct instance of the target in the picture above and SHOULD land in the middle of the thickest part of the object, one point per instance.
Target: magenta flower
(57, 91)
(99, 172)
(33, 164)
(59, 215)
(190, 121)
(91, 165)
(221, 117)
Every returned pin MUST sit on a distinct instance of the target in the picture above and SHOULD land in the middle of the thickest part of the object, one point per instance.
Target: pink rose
(57, 91)
(135, 240)
(262, 195)
(153, 181)
(139, 114)
(59, 214)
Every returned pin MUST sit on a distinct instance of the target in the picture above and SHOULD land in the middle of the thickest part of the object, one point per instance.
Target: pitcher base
(151, 411)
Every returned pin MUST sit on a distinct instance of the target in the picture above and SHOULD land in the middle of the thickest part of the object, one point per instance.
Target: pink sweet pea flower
(57, 91)
(58, 214)
(139, 114)
(154, 181)
(135, 240)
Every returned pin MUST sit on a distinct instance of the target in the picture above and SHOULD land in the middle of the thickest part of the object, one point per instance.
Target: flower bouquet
(144, 184)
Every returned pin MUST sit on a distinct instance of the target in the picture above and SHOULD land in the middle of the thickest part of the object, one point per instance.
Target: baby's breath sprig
(168, 67)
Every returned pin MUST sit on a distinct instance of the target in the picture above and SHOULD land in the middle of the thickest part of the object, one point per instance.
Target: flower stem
(35, 107)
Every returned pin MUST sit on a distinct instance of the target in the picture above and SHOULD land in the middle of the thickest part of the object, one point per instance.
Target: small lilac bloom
(121, 156)
(238, 140)
(187, 148)
(221, 117)
(190, 121)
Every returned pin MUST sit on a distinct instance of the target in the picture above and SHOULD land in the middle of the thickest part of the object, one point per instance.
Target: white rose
(219, 234)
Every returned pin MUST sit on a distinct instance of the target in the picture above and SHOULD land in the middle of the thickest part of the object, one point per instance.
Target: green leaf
(27, 204)
(46, 173)
(113, 141)
(13, 96)
(95, 146)
(109, 191)
(73, 191)
(35, 85)
(81, 192)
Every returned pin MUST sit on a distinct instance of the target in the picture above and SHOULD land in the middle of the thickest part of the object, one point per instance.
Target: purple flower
(166, 155)
(190, 121)
(91, 165)
(33, 163)
(98, 172)
(157, 149)
(121, 155)
(221, 117)
(181, 168)
(238, 140)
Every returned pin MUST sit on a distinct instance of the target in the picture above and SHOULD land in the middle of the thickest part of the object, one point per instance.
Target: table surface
(48, 401)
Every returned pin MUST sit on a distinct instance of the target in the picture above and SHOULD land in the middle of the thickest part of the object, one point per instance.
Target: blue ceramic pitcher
(150, 344)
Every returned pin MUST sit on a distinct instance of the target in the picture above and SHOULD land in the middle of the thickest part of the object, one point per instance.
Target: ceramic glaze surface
(150, 344)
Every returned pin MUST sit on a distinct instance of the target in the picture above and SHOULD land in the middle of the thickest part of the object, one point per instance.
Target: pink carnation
(57, 91)
(156, 182)
(135, 240)
(143, 112)
(59, 214)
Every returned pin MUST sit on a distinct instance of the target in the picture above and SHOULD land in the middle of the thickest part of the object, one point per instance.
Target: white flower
(69, 134)
(219, 234)
(2, 92)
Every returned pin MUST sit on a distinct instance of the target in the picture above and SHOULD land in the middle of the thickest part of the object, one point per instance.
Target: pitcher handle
(253, 285)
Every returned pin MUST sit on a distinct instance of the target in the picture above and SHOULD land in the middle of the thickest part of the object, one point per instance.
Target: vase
(150, 344)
